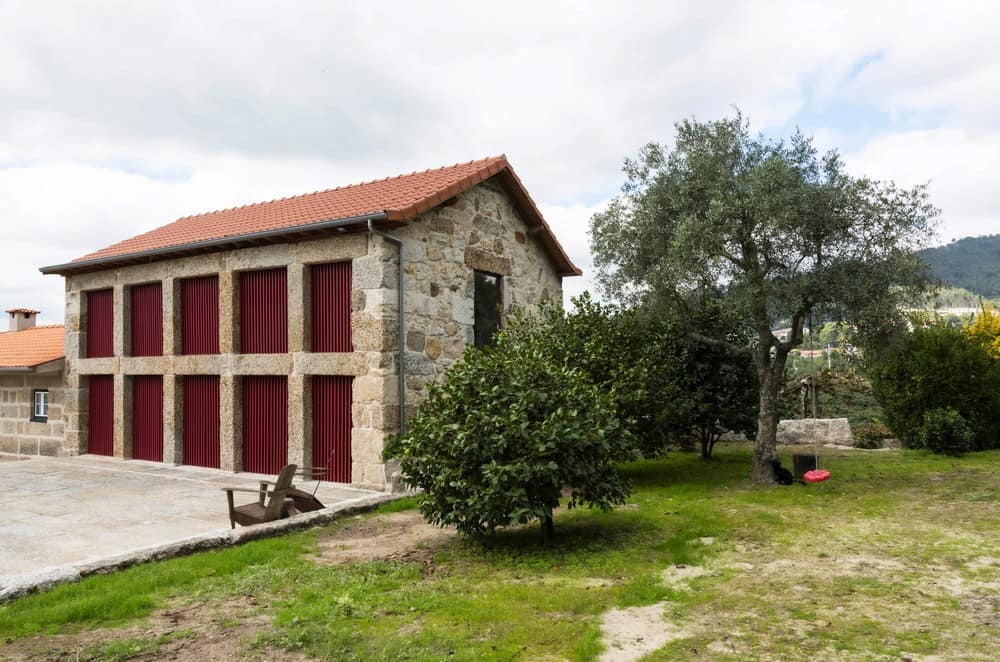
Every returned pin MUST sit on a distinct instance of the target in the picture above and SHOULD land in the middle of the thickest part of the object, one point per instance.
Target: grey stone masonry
(479, 229)
(18, 433)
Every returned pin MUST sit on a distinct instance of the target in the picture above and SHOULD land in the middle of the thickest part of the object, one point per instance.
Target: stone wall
(480, 229)
(18, 433)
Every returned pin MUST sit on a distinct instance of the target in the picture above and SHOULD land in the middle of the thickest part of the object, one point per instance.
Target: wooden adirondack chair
(271, 504)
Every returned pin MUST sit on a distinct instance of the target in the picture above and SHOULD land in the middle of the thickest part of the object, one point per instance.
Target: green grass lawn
(895, 555)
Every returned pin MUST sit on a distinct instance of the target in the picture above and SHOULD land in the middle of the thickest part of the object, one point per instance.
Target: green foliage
(871, 435)
(842, 394)
(497, 442)
(776, 229)
(972, 263)
(945, 431)
(935, 367)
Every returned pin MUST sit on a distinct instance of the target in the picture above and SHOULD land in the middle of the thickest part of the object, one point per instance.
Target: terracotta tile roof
(31, 347)
(22, 310)
(400, 198)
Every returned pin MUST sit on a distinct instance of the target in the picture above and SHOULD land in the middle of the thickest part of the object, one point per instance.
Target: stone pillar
(123, 415)
(229, 313)
(299, 423)
(173, 419)
(75, 403)
(231, 423)
(298, 308)
(171, 317)
(121, 321)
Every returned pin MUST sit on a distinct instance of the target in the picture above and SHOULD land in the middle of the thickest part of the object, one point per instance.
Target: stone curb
(19, 585)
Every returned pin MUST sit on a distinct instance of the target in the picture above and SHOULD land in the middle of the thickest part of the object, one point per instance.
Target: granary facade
(251, 337)
(31, 386)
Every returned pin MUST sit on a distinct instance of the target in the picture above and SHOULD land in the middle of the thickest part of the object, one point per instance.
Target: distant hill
(972, 263)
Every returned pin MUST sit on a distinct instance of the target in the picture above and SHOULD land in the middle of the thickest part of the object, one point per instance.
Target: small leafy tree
(507, 431)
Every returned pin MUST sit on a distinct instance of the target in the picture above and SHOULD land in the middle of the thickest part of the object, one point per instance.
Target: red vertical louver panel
(264, 312)
(200, 315)
(332, 426)
(100, 323)
(331, 307)
(147, 417)
(201, 421)
(146, 319)
(265, 424)
(101, 415)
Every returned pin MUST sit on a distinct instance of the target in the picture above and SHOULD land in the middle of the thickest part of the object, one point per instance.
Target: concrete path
(79, 510)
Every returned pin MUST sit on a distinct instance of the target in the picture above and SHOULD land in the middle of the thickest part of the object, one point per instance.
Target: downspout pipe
(400, 332)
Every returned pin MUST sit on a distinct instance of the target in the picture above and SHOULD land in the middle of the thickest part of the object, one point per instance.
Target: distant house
(31, 386)
(259, 335)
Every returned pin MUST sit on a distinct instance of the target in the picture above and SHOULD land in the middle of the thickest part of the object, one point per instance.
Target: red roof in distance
(31, 347)
(400, 198)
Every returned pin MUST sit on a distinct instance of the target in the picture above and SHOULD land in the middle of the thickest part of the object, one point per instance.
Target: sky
(118, 117)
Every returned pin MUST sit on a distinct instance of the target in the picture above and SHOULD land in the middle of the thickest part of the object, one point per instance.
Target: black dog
(781, 475)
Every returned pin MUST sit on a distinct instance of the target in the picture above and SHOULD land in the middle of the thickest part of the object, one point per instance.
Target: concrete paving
(58, 512)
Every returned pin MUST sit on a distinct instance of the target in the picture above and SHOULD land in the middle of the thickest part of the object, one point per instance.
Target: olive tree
(779, 230)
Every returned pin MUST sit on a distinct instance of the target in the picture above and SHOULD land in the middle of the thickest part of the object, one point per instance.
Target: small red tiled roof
(31, 347)
(400, 198)
(22, 310)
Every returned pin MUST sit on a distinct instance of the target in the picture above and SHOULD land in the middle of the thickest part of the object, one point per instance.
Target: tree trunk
(764, 452)
(548, 527)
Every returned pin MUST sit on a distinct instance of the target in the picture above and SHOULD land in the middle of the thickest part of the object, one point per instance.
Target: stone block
(260, 257)
(335, 248)
(373, 333)
(815, 431)
(373, 273)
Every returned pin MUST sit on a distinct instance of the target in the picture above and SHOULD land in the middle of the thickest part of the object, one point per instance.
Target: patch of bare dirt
(196, 633)
(632, 633)
(401, 536)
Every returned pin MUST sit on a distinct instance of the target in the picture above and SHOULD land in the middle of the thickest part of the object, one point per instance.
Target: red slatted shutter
(332, 426)
(265, 424)
(100, 323)
(146, 319)
(264, 312)
(200, 315)
(101, 415)
(147, 417)
(201, 421)
(331, 307)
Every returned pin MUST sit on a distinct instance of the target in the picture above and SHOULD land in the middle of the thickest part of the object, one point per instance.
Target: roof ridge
(484, 161)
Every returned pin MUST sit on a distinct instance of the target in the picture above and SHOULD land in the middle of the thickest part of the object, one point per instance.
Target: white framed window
(40, 405)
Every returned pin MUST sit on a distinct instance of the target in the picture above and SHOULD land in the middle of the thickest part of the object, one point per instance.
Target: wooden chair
(270, 505)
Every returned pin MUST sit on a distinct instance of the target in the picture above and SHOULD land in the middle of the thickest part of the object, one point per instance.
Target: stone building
(259, 335)
(31, 386)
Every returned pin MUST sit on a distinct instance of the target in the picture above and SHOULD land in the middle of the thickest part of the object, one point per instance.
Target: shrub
(871, 435)
(506, 432)
(945, 431)
(935, 367)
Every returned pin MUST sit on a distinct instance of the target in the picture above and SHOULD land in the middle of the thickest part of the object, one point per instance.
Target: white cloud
(118, 117)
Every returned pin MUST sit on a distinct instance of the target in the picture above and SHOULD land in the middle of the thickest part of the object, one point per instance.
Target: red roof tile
(31, 347)
(401, 199)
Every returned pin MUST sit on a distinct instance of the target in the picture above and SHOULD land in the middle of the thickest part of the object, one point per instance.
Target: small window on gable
(40, 406)
(488, 306)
